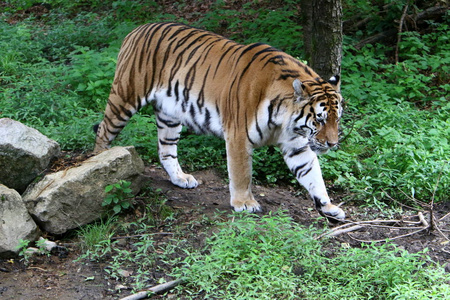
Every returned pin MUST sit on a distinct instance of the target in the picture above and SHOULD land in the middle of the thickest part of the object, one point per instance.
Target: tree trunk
(322, 23)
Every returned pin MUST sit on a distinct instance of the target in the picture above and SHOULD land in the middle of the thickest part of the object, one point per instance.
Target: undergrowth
(268, 257)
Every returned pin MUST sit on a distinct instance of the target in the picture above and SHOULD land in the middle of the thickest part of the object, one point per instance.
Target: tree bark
(322, 23)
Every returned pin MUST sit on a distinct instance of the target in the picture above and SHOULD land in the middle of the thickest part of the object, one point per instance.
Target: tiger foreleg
(239, 158)
(169, 131)
(304, 164)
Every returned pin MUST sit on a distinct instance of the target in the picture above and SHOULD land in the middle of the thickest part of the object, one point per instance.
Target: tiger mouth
(319, 148)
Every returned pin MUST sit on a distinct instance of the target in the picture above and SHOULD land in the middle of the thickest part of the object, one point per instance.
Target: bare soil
(59, 277)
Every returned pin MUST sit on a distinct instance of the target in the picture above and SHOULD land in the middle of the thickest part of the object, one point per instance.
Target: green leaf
(117, 209)
(125, 183)
(127, 191)
(107, 200)
(108, 188)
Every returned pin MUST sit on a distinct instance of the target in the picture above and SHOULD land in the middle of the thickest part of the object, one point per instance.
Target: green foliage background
(56, 68)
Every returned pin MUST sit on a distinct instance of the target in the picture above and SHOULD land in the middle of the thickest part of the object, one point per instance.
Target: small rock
(125, 273)
(120, 287)
(32, 251)
(15, 222)
(49, 245)
(24, 154)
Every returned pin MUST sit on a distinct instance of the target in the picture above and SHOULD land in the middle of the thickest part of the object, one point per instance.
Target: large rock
(24, 154)
(15, 222)
(73, 197)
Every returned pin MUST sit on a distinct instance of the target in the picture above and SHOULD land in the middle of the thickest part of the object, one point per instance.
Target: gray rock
(73, 197)
(24, 154)
(48, 245)
(15, 222)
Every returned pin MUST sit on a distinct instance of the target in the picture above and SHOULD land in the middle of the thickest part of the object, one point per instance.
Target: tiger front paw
(185, 181)
(248, 205)
(332, 212)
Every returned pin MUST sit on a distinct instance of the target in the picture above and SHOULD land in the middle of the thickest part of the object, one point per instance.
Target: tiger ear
(298, 89)
(335, 82)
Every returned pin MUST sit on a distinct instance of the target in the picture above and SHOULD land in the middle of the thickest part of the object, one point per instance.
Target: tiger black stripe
(167, 143)
(223, 55)
(297, 151)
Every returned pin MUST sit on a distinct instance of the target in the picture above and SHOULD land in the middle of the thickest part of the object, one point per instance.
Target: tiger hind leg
(239, 162)
(169, 130)
(115, 119)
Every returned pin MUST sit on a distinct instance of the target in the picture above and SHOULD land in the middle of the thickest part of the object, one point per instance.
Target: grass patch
(268, 257)
(274, 258)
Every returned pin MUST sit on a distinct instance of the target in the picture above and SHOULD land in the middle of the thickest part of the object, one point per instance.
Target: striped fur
(249, 95)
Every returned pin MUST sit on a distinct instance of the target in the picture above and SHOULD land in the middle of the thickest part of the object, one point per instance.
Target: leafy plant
(272, 257)
(249, 259)
(41, 244)
(119, 196)
(23, 246)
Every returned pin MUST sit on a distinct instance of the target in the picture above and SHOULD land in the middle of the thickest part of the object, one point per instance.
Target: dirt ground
(59, 277)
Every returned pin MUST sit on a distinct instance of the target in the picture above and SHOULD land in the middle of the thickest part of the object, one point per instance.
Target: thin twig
(439, 230)
(353, 224)
(412, 222)
(432, 219)
(394, 238)
(140, 235)
(400, 28)
(448, 214)
(154, 290)
(402, 204)
(43, 270)
(345, 230)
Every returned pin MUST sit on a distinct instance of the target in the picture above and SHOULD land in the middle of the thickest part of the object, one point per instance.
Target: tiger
(249, 95)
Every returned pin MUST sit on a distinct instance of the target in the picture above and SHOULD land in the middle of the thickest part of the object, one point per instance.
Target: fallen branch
(393, 238)
(160, 288)
(140, 235)
(345, 230)
(355, 226)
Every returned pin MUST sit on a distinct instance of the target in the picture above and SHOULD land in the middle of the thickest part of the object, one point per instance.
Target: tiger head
(320, 109)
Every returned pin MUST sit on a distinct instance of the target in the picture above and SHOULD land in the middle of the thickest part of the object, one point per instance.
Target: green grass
(269, 257)
(274, 258)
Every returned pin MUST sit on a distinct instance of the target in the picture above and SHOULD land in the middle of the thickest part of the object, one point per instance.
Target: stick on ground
(154, 290)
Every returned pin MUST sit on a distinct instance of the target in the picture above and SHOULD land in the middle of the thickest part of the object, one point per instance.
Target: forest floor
(59, 277)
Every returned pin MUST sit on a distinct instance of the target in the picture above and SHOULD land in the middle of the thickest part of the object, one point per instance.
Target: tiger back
(249, 95)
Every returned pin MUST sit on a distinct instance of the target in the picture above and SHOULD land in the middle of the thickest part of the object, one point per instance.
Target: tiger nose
(331, 144)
